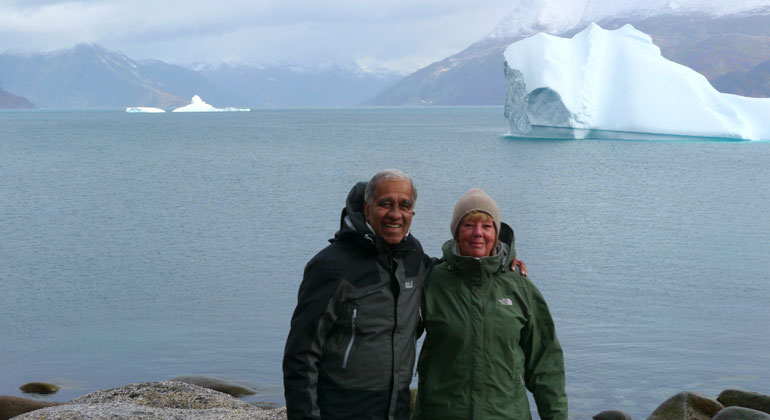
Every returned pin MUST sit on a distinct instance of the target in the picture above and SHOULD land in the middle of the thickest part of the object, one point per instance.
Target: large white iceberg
(198, 105)
(602, 81)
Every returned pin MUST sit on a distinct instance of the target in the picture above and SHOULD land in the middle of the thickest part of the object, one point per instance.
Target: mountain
(11, 101)
(287, 85)
(472, 77)
(754, 83)
(89, 76)
(708, 43)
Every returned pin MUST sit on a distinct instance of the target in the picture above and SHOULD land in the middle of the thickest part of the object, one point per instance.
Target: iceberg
(147, 109)
(616, 84)
(198, 105)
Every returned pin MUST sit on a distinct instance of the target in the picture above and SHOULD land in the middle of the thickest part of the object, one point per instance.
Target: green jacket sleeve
(544, 361)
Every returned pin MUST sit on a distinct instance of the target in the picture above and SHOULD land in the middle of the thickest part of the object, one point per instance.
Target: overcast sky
(398, 34)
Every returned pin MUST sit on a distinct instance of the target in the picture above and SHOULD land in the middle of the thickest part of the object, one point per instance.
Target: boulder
(737, 397)
(686, 406)
(611, 415)
(39, 388)
(168, 400)
(14, 406)
(740, 413)
(216, 384)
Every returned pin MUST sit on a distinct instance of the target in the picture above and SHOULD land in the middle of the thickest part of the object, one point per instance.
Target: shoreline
(143, 400)
(176, 399)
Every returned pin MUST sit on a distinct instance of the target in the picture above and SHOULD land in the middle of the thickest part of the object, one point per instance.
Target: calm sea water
(140, 247)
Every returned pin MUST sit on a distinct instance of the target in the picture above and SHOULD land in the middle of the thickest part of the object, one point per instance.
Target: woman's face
(476, 236)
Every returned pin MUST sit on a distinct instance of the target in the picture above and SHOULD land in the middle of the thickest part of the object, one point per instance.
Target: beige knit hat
(475, 199)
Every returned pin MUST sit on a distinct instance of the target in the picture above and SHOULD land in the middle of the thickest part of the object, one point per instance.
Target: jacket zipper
(352, 337)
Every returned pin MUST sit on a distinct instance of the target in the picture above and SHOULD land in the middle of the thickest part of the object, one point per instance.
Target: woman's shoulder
(517, 281)
(440, 270)
(441, 276)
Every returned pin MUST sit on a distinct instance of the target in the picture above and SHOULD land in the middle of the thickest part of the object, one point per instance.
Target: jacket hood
(352, 219)
(506, 252)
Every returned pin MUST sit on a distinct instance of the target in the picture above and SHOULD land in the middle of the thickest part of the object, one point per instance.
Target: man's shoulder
(338, 252)
(362, 247)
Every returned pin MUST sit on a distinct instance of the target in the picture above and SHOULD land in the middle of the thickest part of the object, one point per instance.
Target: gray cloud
(397, 33)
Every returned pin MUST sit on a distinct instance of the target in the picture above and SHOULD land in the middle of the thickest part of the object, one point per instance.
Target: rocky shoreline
(167, 400)
(175, 400)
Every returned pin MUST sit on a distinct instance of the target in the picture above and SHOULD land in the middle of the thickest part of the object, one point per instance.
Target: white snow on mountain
(556, 16)
(618, 81)
(199, 105)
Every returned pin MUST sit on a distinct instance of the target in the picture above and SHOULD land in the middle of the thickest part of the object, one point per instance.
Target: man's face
(391, 211)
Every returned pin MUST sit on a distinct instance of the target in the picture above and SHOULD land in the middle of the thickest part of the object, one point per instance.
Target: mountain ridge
(90, 76)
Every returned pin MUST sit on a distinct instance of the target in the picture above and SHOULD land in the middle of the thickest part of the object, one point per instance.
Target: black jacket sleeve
(313, 318)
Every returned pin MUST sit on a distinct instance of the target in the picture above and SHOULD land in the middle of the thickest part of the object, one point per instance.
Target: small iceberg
(198, 105)
(146, 109)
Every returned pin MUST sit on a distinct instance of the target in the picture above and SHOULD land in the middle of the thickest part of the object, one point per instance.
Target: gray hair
(387, 175)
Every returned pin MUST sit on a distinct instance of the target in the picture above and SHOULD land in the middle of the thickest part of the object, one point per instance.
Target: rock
(39, 388)
(737, 397)
(611, 415)
(168, 400)
(124, 411)
(686, 406)
(740, 413)
(14, 406)
(217, 385)
(168, 394)
(266, 405)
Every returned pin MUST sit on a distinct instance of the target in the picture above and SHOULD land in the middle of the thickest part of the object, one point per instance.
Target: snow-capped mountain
(291, 84)
(90, 76)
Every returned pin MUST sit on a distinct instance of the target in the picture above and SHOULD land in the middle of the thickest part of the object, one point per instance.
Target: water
(142, 247)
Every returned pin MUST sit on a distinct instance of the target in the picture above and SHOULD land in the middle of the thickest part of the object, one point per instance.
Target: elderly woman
(489, 331)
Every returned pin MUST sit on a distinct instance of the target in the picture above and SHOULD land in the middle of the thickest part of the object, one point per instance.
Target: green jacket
(490, 337)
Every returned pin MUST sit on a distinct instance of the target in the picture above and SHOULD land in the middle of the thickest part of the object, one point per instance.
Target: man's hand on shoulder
(519, 263)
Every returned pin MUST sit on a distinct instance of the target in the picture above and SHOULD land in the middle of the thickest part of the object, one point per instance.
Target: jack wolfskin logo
(409, 285)
(505, 301)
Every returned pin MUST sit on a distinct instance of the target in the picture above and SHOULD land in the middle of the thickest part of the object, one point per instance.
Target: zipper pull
(352, 338)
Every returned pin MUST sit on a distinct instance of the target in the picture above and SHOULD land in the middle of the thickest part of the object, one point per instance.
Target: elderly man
(351, 349)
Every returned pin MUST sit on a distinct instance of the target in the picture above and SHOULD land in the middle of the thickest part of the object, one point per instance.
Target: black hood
(352, 220)
(508, 239)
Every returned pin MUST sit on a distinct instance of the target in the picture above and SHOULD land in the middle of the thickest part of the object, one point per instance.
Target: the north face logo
(505, 301)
